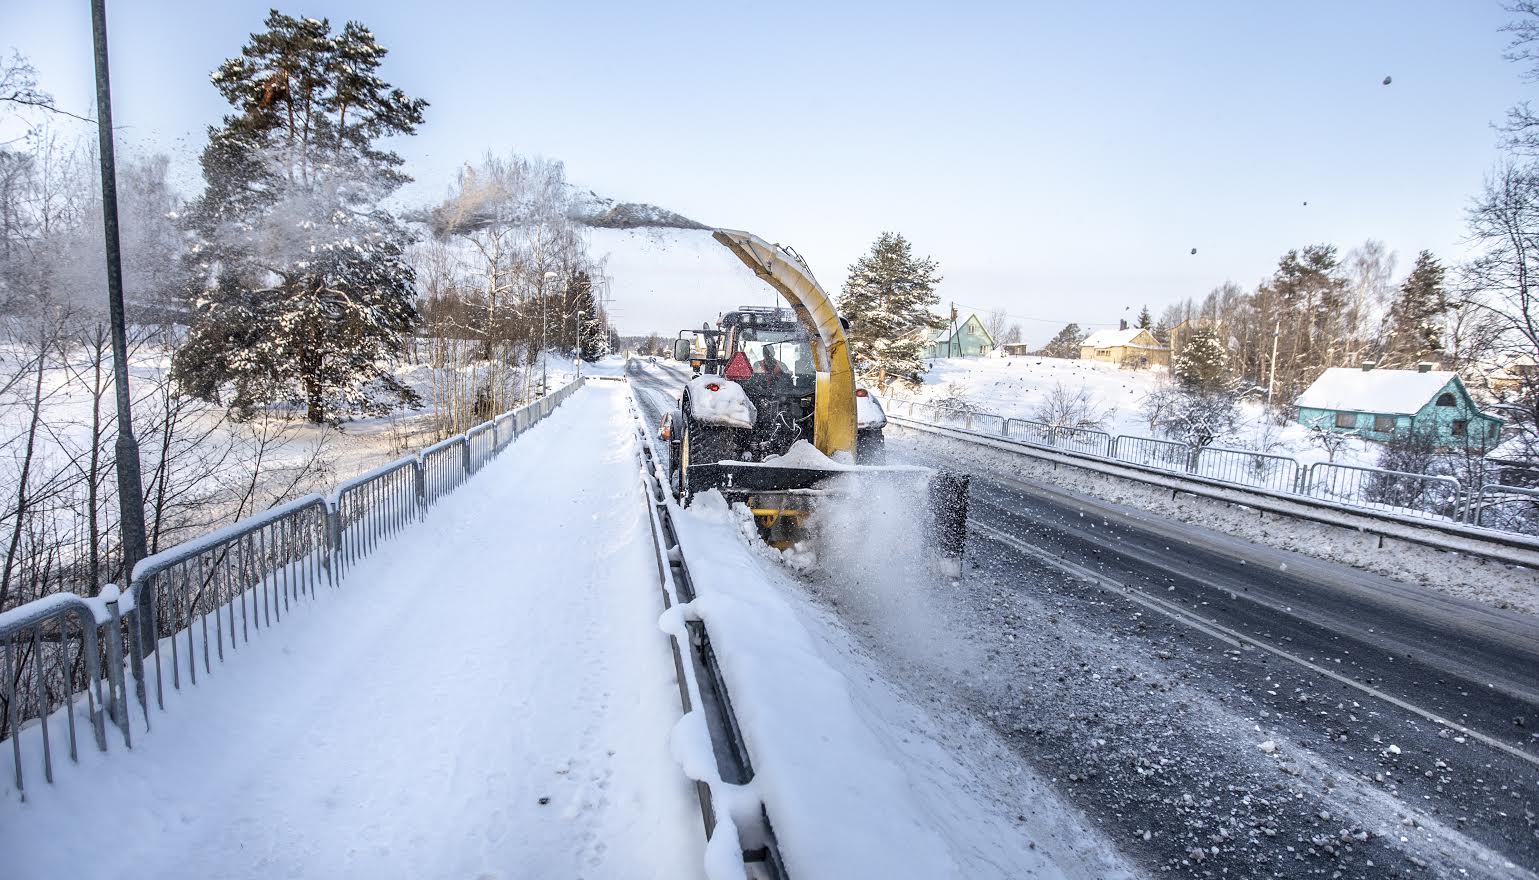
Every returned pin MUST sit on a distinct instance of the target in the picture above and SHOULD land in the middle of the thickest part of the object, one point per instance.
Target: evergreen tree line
(1318, 310)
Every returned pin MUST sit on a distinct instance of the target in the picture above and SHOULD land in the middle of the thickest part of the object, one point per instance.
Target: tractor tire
(702, 444)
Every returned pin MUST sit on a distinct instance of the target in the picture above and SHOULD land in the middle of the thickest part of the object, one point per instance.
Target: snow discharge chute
(833, 428)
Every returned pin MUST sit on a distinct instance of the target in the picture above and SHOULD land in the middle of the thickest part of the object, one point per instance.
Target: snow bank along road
(487, 696)
(1222, 708)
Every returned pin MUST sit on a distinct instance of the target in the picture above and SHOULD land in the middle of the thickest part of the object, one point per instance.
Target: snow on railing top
(150, 565)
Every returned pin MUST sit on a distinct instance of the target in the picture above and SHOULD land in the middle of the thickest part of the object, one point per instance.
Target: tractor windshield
(784, 350)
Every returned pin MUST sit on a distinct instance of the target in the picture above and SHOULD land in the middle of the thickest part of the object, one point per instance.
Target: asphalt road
(1226, 709)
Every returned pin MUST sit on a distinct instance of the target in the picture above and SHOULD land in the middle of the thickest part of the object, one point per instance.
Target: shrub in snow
(955, 403)
(1076, 408)
(1194, 417)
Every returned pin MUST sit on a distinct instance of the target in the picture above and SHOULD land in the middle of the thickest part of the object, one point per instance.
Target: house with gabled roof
(969, 339)
(1130, 347)
(1394, 404)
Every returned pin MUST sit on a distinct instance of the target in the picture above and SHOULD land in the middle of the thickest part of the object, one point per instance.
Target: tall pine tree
(1145, 320)
(1066, 343)
(888, 299)
(300, 287)
(1203, 362)
(1413, 329)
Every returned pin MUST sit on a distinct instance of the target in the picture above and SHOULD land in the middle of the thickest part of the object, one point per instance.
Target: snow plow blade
(783, 500)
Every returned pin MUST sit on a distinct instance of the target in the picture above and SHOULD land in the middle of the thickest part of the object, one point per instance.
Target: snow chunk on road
(727, 405)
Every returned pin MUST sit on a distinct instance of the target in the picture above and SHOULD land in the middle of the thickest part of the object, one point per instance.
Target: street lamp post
(130, 485)
(544, 327)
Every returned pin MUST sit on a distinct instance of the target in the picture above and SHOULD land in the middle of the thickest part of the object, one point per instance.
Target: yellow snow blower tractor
(772, 417)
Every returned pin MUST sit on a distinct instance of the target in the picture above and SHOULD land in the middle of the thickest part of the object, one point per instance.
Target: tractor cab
(768, 353)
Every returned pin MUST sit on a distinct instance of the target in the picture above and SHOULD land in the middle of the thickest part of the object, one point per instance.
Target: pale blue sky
(1059, 159)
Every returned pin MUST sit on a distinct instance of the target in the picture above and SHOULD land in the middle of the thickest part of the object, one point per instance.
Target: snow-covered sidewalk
(487, 696)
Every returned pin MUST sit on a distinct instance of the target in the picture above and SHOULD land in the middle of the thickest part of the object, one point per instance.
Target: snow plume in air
(876, 560)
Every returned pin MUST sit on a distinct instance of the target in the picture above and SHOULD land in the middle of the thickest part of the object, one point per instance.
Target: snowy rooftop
(1113, 338)
(1392, 392)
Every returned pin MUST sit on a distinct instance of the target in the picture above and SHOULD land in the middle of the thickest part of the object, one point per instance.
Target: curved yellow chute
(833, 419)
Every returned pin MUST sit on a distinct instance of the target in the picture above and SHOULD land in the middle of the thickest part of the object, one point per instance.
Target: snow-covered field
(1016, 387)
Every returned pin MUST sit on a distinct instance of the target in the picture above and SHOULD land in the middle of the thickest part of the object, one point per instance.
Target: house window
(1384, 424)
(1346, 420)
(1446, 399)
(1460, 427)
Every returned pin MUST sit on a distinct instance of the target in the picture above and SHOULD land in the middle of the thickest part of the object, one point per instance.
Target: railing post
(419, 477)
(143, 620)
(117, 695)
(333, 528)
(465, 456)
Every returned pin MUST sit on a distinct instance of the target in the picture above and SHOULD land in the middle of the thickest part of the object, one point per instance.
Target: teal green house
(1391, 404)
(970, 339)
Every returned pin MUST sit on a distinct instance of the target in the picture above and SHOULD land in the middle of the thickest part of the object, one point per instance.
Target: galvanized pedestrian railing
(444, 465)
(371, 507)
(64, 655)
(63, 665)
(216, 591)
(1246, 467)
(1419, 496)
(1166, 455)
(1508, 508)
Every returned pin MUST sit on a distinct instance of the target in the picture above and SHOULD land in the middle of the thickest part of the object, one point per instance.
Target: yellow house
(1134, 348)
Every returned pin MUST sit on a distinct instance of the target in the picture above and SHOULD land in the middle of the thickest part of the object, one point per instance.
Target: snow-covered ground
(487, 696)
(862, 775)
(1016, 387)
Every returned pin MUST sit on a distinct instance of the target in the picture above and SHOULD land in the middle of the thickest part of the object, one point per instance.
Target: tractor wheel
(702, 444)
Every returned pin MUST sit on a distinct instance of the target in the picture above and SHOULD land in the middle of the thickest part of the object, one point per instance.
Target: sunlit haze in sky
(1060, 160)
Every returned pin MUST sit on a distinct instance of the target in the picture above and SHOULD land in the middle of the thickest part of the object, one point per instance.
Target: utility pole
(130, 486)
(1271, 373)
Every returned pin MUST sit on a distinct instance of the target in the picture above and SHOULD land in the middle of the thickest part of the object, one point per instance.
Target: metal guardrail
(1165, 455)
(1408, 494)
(190, 603)
(1445, 499)
(702, 685)
(1507, 508)
(1246, 467)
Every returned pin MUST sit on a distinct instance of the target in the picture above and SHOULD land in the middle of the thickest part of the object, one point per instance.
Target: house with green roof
(1394, 404)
